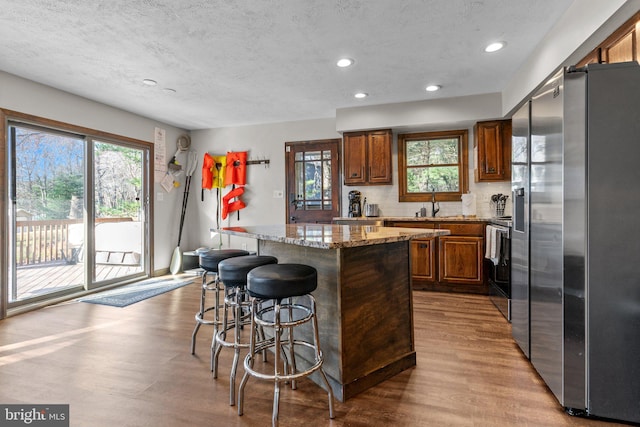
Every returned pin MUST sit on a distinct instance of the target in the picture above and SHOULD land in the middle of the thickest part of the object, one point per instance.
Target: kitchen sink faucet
(434, 210)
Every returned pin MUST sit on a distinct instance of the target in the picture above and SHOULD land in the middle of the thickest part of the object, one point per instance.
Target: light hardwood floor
(132, 367)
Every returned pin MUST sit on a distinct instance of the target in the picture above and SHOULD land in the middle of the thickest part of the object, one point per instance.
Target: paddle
(176, 259)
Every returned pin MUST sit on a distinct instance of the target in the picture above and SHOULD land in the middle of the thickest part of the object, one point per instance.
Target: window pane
(312, 155)
(433, 162)
(299, 182)
(313, 180)
(326, 179)
(436, 178)
(326, 155)
(432, 152)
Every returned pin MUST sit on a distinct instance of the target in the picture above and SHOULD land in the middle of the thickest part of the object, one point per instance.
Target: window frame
(463, 166)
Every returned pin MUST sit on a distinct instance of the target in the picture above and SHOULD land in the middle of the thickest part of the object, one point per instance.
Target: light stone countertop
(416, 219)
(330, 236)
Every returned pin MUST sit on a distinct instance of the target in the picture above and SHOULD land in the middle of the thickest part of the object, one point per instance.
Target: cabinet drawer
(459, 229)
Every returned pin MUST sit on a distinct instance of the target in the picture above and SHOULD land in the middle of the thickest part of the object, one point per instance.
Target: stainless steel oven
(499, 265)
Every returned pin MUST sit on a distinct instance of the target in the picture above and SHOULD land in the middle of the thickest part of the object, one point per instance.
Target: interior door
(313, 181)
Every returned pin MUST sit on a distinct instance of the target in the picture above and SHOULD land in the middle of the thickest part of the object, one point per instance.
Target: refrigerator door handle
(518, 209)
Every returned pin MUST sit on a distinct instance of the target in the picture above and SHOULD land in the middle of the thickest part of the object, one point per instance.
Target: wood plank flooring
(132, 367)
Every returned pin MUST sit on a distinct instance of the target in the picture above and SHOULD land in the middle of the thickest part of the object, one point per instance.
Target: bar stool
(280, 283)
(233, 275)
(209, 263)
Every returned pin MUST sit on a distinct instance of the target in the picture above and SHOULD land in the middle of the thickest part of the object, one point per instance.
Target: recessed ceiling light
(493, 47)
(361, 95)
(432, 88)
(150, 82)
(344, 62)
(169, 90)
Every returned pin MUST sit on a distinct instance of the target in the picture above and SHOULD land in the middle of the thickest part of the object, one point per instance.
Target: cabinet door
(379, 157)
(423, 259)
(460, 260)
(355, 146)
(622, 50)
(493, 145)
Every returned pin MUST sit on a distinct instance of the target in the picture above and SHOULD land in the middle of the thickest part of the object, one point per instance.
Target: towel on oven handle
(492, 244)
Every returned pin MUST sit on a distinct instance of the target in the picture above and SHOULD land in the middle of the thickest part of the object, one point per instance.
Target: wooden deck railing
(47, 241)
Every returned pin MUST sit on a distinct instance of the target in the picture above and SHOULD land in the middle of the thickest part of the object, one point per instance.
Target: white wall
(262, 142)
(584, 25)
(267, 142)
(28, 97)
(386, 196)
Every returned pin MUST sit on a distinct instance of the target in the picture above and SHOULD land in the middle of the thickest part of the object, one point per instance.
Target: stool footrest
(282, 377)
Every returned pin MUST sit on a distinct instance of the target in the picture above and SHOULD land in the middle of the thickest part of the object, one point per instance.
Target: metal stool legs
(280, 327)
(234, 299)
(213, 285)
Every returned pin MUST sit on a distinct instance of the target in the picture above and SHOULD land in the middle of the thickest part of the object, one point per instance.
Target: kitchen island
(364, 294)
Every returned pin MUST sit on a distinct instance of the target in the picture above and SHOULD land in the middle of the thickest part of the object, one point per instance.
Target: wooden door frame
(337, 189)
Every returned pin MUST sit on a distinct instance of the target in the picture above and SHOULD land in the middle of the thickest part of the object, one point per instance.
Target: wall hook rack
(264, 162)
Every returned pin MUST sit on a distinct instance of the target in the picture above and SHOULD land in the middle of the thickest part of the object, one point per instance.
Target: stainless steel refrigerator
(575, 263)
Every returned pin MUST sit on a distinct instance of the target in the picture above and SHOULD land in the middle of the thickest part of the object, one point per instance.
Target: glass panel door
(313, 172)
(78, 213)
(47, 237)
(118, 211)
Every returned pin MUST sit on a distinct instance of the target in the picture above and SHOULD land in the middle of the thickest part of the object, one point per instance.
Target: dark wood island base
(365, 312)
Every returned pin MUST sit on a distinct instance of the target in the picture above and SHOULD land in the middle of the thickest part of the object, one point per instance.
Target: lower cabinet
(460, 260)
(452, 263)
(423, 259)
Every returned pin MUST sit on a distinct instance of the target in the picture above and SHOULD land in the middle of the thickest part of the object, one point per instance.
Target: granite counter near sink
(414, 218)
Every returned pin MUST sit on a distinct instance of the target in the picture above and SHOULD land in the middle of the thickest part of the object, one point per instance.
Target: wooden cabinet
(492, 150)
(367, 157)
(423, 259)
(621, 46)
(461, 254)
(452, 263)
(621, 50)
(460, 260)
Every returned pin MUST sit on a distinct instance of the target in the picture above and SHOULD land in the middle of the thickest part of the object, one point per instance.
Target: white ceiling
(239, 62)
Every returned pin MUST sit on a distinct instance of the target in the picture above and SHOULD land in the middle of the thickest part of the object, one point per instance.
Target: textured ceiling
(238, 62)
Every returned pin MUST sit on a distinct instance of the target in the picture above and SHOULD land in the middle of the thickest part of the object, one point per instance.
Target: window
(433, 162)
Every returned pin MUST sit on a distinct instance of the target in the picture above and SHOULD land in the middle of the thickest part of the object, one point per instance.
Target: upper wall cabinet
(492, 150)
(621, 46)
(367, 157)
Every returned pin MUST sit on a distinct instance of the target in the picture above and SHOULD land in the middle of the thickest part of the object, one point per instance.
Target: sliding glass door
(76, 215)
(118, 211)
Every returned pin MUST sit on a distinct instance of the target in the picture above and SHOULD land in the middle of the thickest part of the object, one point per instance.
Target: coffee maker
(355, 209)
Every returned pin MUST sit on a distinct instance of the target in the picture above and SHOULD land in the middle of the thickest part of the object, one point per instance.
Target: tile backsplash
(386, 196)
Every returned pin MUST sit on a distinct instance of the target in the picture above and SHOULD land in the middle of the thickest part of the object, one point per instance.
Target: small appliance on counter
(370, 209)
(355, 209)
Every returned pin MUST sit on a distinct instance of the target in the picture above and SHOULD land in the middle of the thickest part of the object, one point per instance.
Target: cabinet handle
(492, 169)
(423, 245)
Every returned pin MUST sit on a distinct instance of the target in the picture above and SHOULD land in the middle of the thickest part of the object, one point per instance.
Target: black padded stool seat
(209, 260)
(282, 281)
(233, 271)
